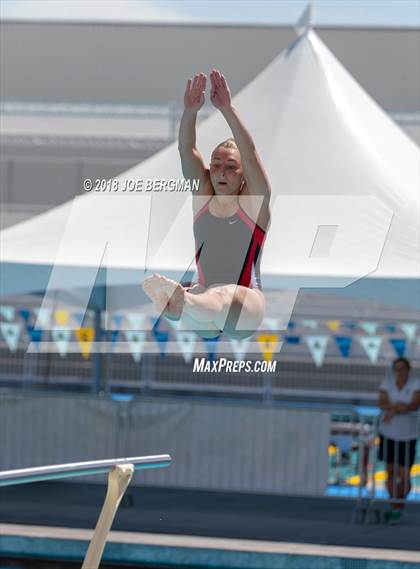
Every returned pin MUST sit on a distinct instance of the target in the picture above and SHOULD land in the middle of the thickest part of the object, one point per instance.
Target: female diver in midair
(231, 219)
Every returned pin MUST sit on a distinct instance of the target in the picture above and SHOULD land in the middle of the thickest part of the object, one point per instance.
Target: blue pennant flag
(211, 345)
(292, 339)
(25, 314)
(116, 320)
(291, 325)
(344, 344)
(34, 333)
(350, 325)
(114, 336)
(399, 345)
(161, 336)
(391, 328)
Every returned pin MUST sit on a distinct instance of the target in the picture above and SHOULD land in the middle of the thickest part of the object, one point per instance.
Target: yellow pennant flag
(268, 345)
(85, 338)
(333, 325)
(61, 317)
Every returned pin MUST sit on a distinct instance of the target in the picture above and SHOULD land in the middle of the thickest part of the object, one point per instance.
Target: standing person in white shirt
(399, 398)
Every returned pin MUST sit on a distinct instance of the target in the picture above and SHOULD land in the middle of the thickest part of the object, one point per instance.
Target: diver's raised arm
(256, 179)
(193, 167)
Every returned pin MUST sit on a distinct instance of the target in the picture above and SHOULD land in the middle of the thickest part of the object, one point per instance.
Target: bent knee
(246, 313)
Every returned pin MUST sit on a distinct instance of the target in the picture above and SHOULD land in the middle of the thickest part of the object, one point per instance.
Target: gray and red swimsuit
(228, 249)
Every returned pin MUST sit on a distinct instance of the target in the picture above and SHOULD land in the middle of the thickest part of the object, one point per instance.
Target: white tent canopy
(345, 183)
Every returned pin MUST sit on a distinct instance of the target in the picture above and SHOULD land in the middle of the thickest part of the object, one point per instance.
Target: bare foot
(166, 294)
(175, 293)
(159, 298)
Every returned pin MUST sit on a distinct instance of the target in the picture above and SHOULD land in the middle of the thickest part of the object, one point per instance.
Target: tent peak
(305, 22)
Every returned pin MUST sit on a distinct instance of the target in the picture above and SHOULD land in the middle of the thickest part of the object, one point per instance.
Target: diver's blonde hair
(228, 143)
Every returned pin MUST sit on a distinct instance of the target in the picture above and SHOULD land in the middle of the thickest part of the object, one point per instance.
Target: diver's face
(226, 172)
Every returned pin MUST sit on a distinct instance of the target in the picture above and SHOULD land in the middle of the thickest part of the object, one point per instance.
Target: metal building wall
(144, 63)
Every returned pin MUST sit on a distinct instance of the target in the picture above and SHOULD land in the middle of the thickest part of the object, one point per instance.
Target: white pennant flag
(317, 346)
(61, 338)
(11, 333)
(240, 348)
(186, 341)
(310, 324)
(369, 327)
(43, 318)
(136, 320)
(8, 312)
(270, 324)
(372, 346)
(409, 330)
(175, 324)
(135, 339)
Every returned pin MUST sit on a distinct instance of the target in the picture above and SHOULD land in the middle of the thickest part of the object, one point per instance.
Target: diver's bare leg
(232, 308)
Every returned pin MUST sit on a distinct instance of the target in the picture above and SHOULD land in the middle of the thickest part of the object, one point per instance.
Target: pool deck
(193, 523)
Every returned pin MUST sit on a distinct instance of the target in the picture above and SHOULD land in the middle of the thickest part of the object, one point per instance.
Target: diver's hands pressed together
(194, 96)
(220, 92)
(195, 93)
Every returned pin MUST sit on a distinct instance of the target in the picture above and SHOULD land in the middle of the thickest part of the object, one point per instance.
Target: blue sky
(329, 12)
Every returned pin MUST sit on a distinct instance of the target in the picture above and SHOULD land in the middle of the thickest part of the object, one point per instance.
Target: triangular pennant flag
(116, 321)
(25, 314)
(317, 346)
(270, 324)
(85, 337)
(135, 339)
(344, 344)
(333, 325)
(62, 317)
(372, 346)
(268, 345)
(161, 336)
(8, 312)
(11, 333)
(175, 324)
(399, 345)
(369, 327)
(313, 324)
(136, 320)
(211, 345)
(35, 334)
(409, 329)
(391, 328)
(350, 325)
(43, 317)
(186, 341)
(114, 336)
(61, 338)
(240, 348)
(291, 325)
(292, 339)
